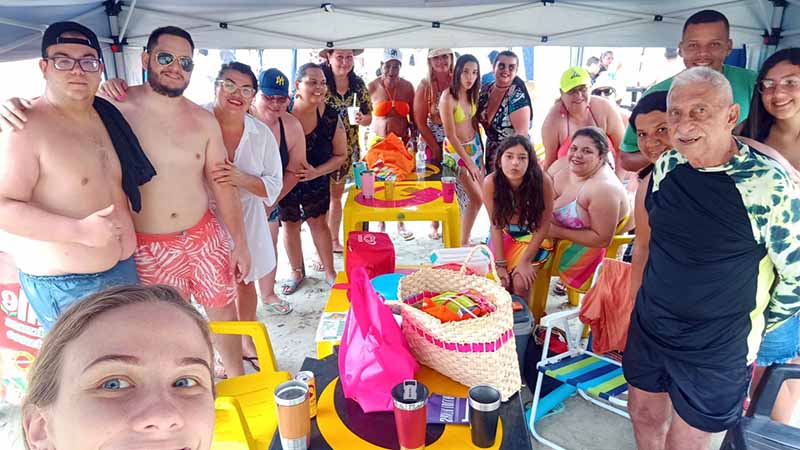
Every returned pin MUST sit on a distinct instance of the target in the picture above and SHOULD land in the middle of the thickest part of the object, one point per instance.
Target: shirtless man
(392, 101)
(180, 242)
(61, 191)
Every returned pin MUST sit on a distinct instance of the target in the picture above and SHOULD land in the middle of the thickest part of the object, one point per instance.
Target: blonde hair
(45, 374)
(432, 100)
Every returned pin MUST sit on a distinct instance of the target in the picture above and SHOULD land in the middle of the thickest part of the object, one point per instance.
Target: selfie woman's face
(128, 386)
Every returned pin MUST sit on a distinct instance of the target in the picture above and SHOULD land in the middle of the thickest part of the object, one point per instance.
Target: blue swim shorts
(781, 345)
(51, 295)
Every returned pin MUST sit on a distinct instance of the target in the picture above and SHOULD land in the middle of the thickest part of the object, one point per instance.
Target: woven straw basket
(474, 351)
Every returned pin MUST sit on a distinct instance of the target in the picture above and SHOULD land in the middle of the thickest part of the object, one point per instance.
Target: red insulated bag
(372, 251)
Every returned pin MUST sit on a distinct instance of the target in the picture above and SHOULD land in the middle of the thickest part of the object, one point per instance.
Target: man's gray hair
(711, 77)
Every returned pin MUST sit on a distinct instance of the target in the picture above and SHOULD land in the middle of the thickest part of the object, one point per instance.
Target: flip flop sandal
(330, 282)
(279, 308)
(434, 236)
(290, 286)
(253, 360)
(406, 235)
(560, 289)
(317, 266)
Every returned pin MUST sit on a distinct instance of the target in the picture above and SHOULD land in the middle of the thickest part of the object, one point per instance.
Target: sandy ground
(581, 425)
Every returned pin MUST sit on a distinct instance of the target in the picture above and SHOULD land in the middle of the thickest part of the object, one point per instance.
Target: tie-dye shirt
(719, 236)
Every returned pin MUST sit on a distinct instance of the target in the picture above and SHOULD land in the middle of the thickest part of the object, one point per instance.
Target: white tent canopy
(392, 23)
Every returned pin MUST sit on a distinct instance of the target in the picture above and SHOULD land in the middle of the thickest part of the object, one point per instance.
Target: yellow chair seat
(246, 417)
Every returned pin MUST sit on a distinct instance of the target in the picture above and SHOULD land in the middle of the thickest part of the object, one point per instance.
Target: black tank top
(319, 143)
(282, 148)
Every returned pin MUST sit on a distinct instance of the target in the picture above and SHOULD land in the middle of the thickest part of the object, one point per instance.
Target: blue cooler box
(523, 324)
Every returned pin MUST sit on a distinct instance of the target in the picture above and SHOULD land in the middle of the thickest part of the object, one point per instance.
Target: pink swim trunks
(195, 261)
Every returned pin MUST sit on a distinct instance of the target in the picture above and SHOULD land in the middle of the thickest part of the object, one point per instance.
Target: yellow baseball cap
(574, 77)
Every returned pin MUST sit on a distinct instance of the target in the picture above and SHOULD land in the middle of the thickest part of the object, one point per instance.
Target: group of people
(140, 186)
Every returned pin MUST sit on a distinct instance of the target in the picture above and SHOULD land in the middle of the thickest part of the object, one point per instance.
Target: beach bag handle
(486, 250)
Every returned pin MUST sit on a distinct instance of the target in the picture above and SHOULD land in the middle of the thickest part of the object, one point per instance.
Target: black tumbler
(484, 411)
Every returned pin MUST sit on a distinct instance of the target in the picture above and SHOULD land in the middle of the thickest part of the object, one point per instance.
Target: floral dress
(357, 90)
(499, 127)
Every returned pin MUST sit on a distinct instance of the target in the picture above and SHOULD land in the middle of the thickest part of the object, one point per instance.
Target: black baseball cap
(52, 36)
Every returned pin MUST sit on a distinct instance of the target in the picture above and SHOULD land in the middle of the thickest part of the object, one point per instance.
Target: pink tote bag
(373, 354)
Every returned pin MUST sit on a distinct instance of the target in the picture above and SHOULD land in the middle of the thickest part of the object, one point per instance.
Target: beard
(155, 83)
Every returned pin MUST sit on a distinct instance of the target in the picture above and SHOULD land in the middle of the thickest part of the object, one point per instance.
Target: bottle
(421, 157)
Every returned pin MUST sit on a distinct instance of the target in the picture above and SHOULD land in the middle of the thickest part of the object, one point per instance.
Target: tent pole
(113, 8)
(127, 21)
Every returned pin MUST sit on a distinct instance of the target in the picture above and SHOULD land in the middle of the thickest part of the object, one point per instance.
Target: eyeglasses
(65, 63)
(230, 87)
(788, 84)
(605, 92)
(165, 59)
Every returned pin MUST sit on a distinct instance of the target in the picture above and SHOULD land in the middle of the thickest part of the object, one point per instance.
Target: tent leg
(118, 69)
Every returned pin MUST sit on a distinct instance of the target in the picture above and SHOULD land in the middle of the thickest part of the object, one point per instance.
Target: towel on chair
(607, 307)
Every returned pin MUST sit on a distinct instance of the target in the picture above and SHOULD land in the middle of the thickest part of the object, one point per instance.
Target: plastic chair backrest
(757, 430)
(239, 425)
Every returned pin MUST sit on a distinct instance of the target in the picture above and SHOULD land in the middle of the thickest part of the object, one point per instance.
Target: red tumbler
(410, 414)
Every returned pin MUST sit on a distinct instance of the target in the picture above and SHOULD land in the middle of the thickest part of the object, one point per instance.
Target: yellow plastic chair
(246, 414)
(541, 286)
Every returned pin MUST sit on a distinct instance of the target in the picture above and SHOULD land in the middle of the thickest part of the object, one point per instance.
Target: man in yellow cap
(577, 109)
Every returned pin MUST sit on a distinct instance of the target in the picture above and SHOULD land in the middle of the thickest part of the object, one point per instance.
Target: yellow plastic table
(413, 201)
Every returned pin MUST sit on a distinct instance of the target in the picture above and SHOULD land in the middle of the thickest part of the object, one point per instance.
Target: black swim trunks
(719, 236)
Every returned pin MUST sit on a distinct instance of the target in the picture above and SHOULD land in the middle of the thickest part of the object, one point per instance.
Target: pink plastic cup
(448, 189)
(368, 184)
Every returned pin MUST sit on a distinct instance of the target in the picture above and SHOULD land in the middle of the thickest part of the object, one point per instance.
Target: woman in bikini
(392, 97)
(426, 108)
(326, 149)
(519, 200)
(576, 109)
(590, 206)
(504, 105)
(463, 152)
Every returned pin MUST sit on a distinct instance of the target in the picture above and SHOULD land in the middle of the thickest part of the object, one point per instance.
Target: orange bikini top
(384, 107)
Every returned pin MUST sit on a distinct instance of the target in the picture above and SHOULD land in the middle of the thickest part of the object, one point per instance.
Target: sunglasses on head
(165, 59)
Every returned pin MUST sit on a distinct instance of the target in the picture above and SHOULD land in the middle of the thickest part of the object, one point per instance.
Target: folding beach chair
(597, 378)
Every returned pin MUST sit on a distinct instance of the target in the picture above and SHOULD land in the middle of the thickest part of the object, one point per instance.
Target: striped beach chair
(597, 378)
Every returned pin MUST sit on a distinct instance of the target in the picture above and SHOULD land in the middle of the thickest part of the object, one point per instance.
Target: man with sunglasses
(180, 241)
(61, 195)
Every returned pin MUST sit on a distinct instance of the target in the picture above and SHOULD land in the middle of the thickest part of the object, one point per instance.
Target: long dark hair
(475, 90)
(353, 80)
(759, 122)
(527, 201)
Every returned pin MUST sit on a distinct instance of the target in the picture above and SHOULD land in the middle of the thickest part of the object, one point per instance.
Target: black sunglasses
(165, 59)
(605, 92)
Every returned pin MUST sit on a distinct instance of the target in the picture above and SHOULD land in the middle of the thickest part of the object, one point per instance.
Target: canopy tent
(391, 23)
